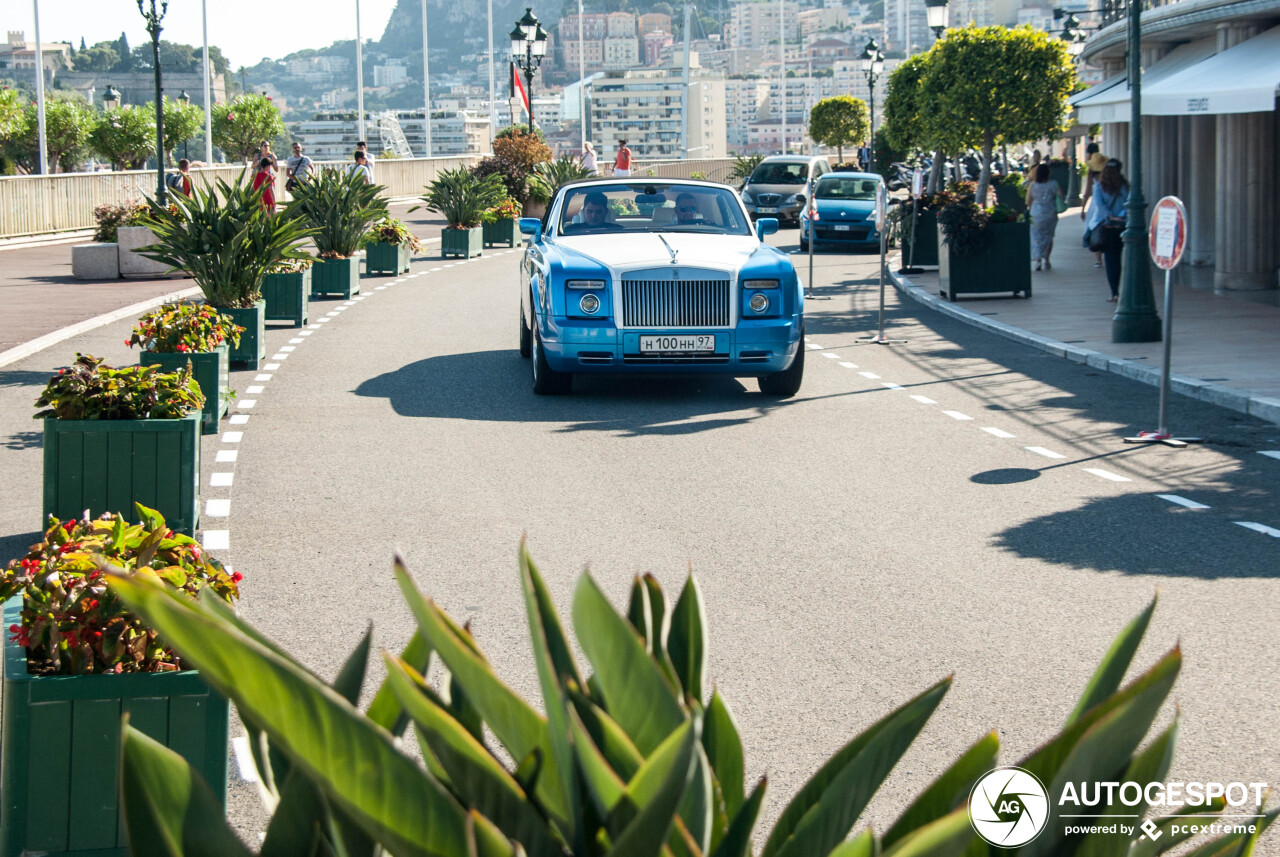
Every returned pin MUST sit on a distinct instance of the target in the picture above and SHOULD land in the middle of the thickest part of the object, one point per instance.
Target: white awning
(1112, 105)
(1095, 90)
(1242, 79)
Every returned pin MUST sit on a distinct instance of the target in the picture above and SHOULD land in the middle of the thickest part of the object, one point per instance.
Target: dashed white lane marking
(831, 354)
(815, 346)
(215, 540)
(232, 436)
(1107, 474)
(304, 333)
(924, 400)
(1047, 453)
(991, 430)
(326, 320)
(271, 367)
(957, 415)
(1182, 501)
(283, 355)
(297, 340)
(285, 349)
(239, 419)
(221, 480)
(432, 270)
(891, 386)
(263, 377)
(353, 302)
(244, 759)
(220, 508)
(246, 403)
(846, 364)
(226, 456)
(450, 265)
(314, 326)
(1270, 453)
(378, 288)
(1260, 528)
(871, 375)
(254, 389)
(332, 314)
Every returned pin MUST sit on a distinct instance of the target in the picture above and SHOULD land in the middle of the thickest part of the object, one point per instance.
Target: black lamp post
(185, 100)
(1074, 40)
(528, 47)
(872, 63)
(1136, 319)
(153, 19)
(936, 15)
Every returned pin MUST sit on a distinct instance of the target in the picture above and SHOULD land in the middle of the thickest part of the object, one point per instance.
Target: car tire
(786, 383)
(804, 245)
(526, 335)
(546, 381)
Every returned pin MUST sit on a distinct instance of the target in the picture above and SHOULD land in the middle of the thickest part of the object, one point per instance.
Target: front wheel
(804, 244)
(547, 381)
(786, 383)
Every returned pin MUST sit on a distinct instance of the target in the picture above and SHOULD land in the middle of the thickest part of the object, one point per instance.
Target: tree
(904, 127)
(240, 126)
(126, 136)
(100, 57)
(67, 123)
(10, 113)
(121, 46)
(181, 122)
(989, 85)
(840, 121)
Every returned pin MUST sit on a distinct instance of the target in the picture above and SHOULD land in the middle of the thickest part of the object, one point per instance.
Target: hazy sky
(277, 29)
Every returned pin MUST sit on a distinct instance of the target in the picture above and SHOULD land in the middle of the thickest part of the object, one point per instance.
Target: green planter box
(382, 258)
(926, 239)
(108, 465)
(1060, 171)
(462, 242)
(505, 232)
(253, 342)
(59, 771)
(285, 297)
(336, 277)
(1008, 195)
(1004, 265)
(212, 372)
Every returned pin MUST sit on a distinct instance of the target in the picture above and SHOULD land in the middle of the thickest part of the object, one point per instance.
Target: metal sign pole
(881, 205)
(1167, 238)
(813, 234)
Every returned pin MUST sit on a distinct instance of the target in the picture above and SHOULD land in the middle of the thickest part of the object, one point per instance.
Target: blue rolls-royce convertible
(657, 276)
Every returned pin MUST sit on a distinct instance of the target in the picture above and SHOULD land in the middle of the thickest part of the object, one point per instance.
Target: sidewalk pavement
(1225, 346)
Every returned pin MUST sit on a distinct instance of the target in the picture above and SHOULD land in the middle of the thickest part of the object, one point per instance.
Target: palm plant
(225, 239)
(548, 177)
(632, 760)
(462, 198)
(745, 165)
(338, 207)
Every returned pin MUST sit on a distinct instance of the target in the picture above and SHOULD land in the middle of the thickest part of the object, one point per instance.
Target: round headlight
(589, 304)
(759, 303)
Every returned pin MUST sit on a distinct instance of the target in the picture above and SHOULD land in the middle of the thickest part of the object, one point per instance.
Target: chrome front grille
(768, 198)
(682, 303)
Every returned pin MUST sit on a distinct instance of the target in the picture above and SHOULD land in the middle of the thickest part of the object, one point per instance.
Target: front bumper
(790, 211)
(859, 234)
(756, 347)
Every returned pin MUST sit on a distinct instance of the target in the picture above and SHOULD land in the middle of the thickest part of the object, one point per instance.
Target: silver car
(777, 186)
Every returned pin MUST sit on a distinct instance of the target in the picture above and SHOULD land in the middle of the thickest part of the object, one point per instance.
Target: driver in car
(595, 208)
(687, 213)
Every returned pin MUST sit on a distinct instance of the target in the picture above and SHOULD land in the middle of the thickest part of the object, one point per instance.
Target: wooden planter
(926, 239)
(1004, 265)
(59, 767)
(383, 258)
(285, 297)
(505, 232)
(108, 465)
(336, 277)
(211, 371)
(253, 342)
(462, 242)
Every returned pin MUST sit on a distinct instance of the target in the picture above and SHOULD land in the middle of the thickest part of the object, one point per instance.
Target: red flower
(235, 576)
(181, 347)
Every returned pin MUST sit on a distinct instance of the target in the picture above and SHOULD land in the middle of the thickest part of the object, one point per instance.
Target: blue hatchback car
(846, 204)
(657, 276)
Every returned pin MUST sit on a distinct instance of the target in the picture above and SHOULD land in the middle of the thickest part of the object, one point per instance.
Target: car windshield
(776, 173)
(651, 207)
(838, 187)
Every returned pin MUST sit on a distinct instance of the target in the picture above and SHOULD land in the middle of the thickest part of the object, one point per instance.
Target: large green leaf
(601, 780)
(299, 823)
(948, 836)
(1150, 765)
(613, 742)
(647, 831)
(695, 807)
(635, 691)
(557, 642)
(862, 845)
(386, 710)
(826, 807)
(724, 750)
(169, 810)
(687, 641)
(639, 614)
(1115, 663)
(351, 759)
(521, 729)
(737, 842)
(948, 791)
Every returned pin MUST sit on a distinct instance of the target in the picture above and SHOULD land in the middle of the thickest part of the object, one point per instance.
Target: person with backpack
(297, 168)
(622, 164)
(180, 181)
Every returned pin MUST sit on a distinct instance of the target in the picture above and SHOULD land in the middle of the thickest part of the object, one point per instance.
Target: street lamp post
(936, 15)
(1074, 40)
(872, 63)
(184, 99)
(528, 47)
(153, 19)
(1136, 319)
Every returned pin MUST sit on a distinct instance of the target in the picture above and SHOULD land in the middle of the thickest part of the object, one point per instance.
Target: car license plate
(684, 342)
(842, 227)
(763, 210)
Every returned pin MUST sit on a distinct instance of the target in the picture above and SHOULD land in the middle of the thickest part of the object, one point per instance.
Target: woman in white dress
(1042, 202)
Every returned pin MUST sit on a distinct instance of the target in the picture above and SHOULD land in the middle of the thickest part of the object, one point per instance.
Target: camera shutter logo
(1009, 807)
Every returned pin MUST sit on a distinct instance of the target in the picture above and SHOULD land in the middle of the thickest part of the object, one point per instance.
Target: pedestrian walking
(265, 179)
(589, 159)
(361, 166)
(622, 163)
(1042, 202)
(1106, 220)
(297, 168)
(362, 146)
(1095, 161)
(264, 151)
(181, 180)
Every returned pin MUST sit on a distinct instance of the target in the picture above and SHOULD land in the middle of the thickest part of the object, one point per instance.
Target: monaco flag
(518, 91)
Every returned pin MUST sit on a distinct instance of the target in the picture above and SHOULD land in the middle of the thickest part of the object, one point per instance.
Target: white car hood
(622, 252)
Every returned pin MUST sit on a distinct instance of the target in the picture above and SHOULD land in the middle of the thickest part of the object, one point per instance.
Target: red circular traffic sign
(1167, 237)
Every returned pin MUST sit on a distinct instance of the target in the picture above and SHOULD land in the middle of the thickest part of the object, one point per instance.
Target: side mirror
(531, 226)
(766, 226)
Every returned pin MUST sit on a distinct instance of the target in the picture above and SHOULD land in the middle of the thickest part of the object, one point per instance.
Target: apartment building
(644, 107)
(653, 22)
(746, 101)
(621, 52)
(906, 26)
(754, 23)
(653, 43)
